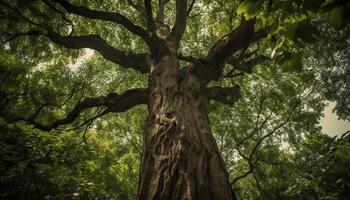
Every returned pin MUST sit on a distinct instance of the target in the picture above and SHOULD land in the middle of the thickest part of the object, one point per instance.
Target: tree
(36, 165)
(333, 52)
(181, 158)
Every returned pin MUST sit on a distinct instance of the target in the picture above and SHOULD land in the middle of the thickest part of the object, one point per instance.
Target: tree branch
(272, 131)
(180, 21)
(249, 158)
(138, 62)
(63, 16)
(239, 38)
(14, 36)
(190, 59)
(190, 7)
(113, 102)
(160, 12)
(149, 15)
(226, 95)
(106, 16)
(137, 7)
(232, 42)
(127, 60)
(245, 66)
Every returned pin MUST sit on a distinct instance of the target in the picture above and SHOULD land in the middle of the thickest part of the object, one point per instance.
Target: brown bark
(181, 159)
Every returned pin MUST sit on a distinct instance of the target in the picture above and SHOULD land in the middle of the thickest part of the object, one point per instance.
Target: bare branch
(149, 14)
(160, 12)
(188, 58)
(245, 66)
(106, 16)
(127, 60)
(113, 102)
(63, 16)
(180, 21)
(138, 62)
(238, 39)
(15, 36)
(19, 14)
(190, 7)
(251, 169)
(249, 158)
(137, 7)
(273, 131)
(257, 127)
(39, 109)
(226, 95)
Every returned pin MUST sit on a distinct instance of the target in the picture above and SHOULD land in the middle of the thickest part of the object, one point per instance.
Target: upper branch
(136, 6)
(149, 15)
(106, 16)
(160, 12)
(226, 95)
(113, 102)
(245, 66)
(127, 60)
(238, 39)
(180, 21)
(138, 62)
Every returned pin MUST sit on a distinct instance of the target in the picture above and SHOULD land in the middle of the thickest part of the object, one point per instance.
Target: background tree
(180, 157)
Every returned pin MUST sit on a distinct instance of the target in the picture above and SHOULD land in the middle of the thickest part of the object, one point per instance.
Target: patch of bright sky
(88, 53)
(330, 123)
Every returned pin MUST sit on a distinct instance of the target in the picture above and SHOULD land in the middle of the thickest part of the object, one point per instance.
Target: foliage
(62, 166)
(316, 170)
(333, 53)
(271, 140)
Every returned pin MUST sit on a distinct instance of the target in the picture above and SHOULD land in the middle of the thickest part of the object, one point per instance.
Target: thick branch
(190, 59)
(245, 66)
(149, 14)
(238, 39)
(113, 102)
(15, 36)
(180, 21)
(160, 12)
(226, 95)
(106, 16)
(127, 60)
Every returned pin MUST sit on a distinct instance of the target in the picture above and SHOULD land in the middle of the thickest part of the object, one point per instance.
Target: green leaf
(2, 121)
(261, 23)
(291, 61)
(306, 32)
(290, 30)
(335, 17)
(296, 61)
(245, 6)
(249, 8)
(312, 4)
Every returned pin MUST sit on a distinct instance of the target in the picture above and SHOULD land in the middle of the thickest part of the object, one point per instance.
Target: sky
(330, 123)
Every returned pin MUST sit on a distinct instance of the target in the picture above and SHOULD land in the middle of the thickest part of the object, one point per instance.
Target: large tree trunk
(181, 159)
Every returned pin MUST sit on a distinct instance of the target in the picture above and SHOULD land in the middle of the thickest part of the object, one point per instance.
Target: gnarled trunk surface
(181, 159)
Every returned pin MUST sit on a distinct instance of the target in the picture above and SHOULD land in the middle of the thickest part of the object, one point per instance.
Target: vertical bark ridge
(181, 159)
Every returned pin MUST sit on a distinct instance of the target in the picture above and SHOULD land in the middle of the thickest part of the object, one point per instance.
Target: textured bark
(181, 159)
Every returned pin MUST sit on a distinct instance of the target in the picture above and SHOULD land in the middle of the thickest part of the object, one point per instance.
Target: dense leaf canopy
(74, 87)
